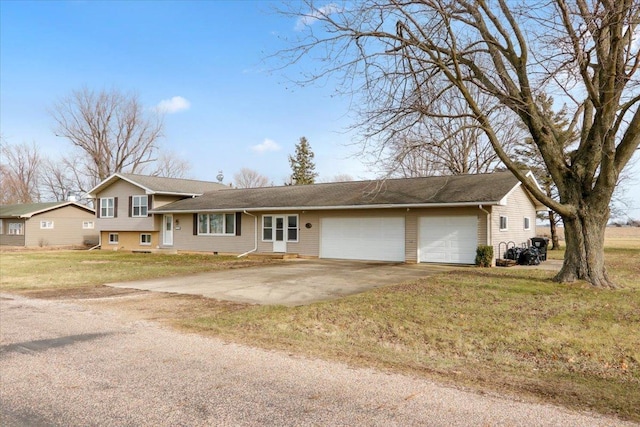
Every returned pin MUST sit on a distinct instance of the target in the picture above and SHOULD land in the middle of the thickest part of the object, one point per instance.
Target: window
(107, 207)
(292, 228)
(113, 238)
(268, 226)
(139, 206)
(527, 223)
(145, 239)
(503, 222)
(16, 229)
(216, 224)
(87, 225)
(1, 227)
(46, 225)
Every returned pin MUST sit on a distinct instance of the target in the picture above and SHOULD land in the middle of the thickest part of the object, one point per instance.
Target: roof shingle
(459, 189)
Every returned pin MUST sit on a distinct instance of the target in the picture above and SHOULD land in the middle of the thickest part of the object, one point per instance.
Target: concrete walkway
(295, 282)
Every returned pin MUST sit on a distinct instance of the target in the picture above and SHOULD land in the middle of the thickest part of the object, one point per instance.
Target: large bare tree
(249, 178)
(448, 141)
(404, 56)
(112, 131)
(19, 173)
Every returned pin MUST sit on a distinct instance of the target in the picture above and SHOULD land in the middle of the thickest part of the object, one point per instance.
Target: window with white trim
(268, 227)
(46, 225)
(88, 225)
(527, 223)
(145, 239)
(113, 238)
(139, 205)
(217, 224)
(16, 229)
(292, 228)
(504, 222)
(107, 207)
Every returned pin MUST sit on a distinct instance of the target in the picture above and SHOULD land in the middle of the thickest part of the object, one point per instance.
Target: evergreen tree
(529, 156)
(302, 165)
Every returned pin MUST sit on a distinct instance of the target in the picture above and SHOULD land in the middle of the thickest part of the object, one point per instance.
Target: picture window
(217, 224)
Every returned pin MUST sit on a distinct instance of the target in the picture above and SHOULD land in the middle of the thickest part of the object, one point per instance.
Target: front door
(167, 230)
(279, 239)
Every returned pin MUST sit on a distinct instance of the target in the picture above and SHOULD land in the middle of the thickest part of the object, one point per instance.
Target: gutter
(255, 222)
(318, 208)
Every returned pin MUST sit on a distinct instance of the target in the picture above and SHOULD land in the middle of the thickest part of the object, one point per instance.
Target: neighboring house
(47, 224)
(123, 205)
(436, 219)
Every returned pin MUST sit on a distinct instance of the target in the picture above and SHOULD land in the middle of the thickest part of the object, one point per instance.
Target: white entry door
(279, 238)
(167, 230)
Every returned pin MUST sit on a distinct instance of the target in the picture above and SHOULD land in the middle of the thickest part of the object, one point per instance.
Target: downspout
(488, 223)
(489, 241)
(255, 222)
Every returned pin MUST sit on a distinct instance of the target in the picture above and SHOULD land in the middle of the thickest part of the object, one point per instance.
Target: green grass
(501, 329)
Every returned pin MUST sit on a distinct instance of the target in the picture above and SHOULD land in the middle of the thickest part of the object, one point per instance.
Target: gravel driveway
(65, 364)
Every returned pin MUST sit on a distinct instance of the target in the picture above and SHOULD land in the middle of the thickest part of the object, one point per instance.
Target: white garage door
(378, 239)
(448, 239)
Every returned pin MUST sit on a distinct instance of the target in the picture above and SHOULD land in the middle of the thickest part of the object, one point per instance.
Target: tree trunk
(553, 228)
(584, 256)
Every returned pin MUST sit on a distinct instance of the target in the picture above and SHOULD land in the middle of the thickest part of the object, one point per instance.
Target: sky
(204, 63)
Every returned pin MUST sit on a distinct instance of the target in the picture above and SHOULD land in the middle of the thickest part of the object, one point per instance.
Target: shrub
(484, 256)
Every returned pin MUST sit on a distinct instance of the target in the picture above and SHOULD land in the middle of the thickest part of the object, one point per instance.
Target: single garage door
(448, 239)
(377, 239)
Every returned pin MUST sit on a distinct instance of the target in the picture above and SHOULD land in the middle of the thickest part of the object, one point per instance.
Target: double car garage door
(441, 239)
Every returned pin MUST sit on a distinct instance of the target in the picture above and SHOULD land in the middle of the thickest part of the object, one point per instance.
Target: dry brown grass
(506, 330)
(629, 236)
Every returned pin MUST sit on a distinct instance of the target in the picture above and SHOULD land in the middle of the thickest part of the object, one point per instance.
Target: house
(434, 219)
(123, 209)
(47, 224)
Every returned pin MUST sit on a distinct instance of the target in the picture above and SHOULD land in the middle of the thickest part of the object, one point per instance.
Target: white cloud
(315, 15)
(267, 145)
(173, 105)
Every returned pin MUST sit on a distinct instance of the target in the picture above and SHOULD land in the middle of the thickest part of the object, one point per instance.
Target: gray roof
(457, 190)
(161, 185)
(26, 210)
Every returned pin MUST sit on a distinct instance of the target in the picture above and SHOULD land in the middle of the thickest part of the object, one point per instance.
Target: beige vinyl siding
(184, 239)
(160, 200)
(123, 222)
(411, 238)
(7, 239)
(518, 206)
(308, 238)
(67, 228)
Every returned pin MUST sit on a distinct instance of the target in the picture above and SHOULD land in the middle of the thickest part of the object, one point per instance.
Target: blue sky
(206, 57)
(204, 60)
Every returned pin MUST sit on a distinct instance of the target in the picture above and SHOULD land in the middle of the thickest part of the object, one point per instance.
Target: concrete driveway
(294, 282)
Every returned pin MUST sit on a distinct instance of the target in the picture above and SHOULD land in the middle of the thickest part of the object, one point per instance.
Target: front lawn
(501, 329)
